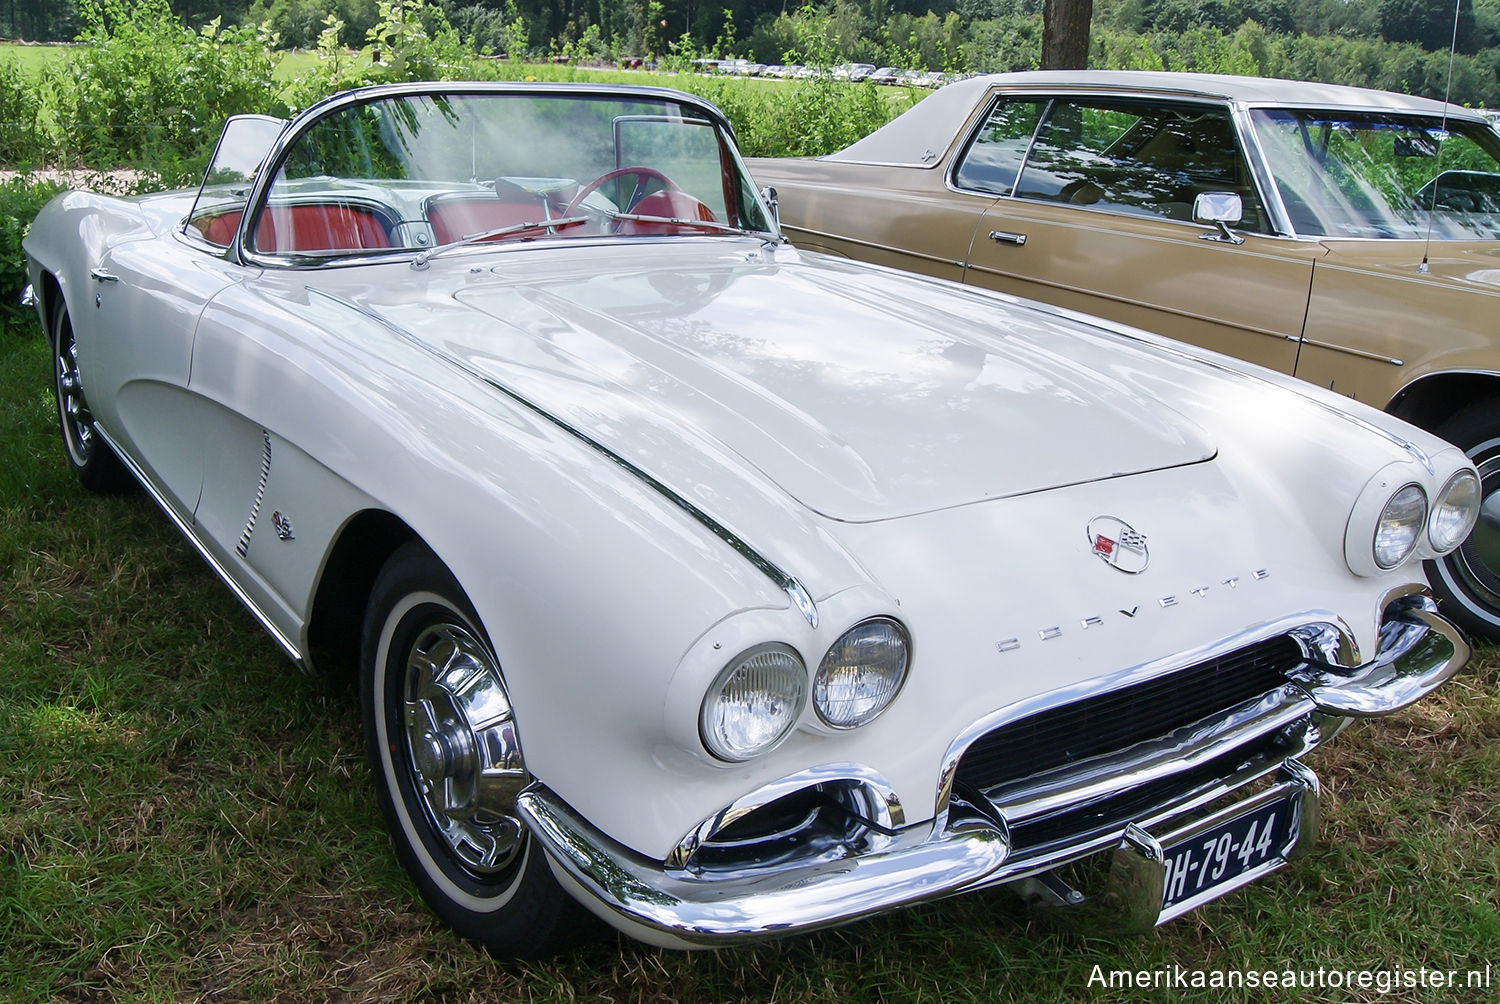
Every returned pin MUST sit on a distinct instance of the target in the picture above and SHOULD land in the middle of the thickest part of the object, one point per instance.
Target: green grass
(32, 57)
(183, 815)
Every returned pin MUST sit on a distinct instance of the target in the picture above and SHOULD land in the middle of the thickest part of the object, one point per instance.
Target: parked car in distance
(726, 590)
(1346, 236)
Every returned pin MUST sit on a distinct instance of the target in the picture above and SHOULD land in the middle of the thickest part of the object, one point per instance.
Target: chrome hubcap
(77, 423)
(462, 747)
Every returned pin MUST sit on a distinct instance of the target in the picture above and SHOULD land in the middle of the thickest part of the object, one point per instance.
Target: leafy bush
(410, 41)
(20, 142)
(20, 201)
(145, 89)
(298, 23)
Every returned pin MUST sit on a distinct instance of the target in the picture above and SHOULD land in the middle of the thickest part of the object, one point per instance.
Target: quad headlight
(1400, 526)
(753, 703)
(1454, 513)
(861, 674)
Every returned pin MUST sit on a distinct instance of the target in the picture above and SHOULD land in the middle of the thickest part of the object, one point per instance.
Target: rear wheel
(1467, 582)
(442, 742)
(98, 469)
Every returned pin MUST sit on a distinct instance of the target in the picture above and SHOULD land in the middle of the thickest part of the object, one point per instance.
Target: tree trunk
(1065, 34)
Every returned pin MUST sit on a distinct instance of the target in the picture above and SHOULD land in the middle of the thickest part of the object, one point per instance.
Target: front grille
(1118, 719)
(1090, 819)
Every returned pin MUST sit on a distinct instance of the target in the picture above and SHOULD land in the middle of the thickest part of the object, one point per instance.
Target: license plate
(1212, 859)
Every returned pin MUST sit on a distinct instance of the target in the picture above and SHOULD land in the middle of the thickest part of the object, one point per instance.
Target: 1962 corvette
(726, 590)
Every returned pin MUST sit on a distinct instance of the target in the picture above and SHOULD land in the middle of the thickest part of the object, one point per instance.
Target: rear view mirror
(1220, 209)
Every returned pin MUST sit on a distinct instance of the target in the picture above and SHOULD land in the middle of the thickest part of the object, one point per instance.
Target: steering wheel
(620, 172)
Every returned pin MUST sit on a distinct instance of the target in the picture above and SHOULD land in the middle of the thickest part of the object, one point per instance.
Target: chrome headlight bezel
(836, 660)
(785, 669)
(1452, 516)
(1376, 513)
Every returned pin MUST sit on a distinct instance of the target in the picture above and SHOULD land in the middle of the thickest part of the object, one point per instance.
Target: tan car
(1350, 237)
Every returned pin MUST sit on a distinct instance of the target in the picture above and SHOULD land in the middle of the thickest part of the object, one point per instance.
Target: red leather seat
(672, 203)
(219, 229)
(329, 226)
(456, 217)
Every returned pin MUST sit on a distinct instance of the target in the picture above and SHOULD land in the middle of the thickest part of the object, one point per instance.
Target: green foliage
(410, 41)
(145, 91)
(20, 201)
(22, 140)
(1429, 23)
(145, 88)
(299, 23)
(807, 118)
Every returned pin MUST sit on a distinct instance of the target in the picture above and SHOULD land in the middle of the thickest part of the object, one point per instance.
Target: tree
(1429, 23)
(1065, 34)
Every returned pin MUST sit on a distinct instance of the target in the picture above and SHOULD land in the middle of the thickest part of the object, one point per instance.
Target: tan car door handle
(1001, 237)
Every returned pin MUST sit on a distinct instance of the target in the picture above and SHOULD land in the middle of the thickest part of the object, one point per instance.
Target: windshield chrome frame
(241, 253)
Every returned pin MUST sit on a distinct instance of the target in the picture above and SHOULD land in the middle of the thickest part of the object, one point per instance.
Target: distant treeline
(1398, 45)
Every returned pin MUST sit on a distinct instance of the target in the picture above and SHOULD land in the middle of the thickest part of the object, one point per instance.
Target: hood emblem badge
(1118, 544)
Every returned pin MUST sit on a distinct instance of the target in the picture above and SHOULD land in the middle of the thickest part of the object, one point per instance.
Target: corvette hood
(862, 394)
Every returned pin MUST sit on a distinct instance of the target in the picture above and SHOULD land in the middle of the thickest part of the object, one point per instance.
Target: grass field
(183, 815)
(32, 57)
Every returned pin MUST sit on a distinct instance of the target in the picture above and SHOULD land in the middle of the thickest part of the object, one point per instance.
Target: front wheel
(91, 458)
(443, 747)
(1467, 582)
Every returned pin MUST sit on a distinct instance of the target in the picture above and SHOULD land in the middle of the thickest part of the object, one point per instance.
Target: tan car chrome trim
(1351, 351)
(875, 246)
(1157, 308)
(202, 548)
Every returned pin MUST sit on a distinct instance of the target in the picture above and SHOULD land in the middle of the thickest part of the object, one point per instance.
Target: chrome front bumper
(960, 851)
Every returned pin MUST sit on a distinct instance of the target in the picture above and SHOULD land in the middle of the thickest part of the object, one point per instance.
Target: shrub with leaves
(20, 201)
(20, 142)
(411, 41)
(144, 88)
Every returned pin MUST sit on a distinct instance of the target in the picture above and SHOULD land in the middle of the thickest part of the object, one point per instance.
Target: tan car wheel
(1467, 582)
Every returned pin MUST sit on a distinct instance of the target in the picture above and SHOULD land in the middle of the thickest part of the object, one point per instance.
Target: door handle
(1001, 237)
(99, 275)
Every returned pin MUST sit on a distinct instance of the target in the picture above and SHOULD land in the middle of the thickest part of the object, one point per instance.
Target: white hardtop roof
(921, 135)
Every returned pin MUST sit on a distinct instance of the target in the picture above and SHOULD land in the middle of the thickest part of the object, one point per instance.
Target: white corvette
(726, 590)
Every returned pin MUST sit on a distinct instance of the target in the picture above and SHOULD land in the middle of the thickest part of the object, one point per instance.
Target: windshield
(424, 171)
(1383, 175)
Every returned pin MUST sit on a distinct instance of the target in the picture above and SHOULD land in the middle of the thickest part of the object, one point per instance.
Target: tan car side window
(994, 156)
(1137, 157)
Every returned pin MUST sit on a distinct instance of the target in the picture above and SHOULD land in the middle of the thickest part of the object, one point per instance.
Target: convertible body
(809, 588)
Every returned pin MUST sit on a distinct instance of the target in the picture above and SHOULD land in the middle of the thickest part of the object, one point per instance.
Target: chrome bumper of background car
(976, 845)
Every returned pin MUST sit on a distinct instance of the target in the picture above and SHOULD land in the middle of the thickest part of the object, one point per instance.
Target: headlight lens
(753, 703)
(861, 674)
(1400, 526)
(1454, 515)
